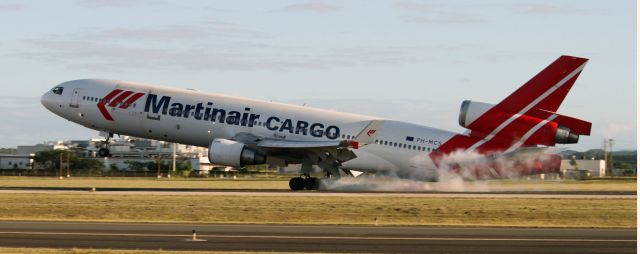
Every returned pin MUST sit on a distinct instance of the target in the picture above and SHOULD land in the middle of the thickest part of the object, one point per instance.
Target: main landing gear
(104, 149)
(304, 182)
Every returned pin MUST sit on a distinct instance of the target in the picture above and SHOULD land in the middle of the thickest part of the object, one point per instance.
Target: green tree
(136, 165)
(573, 162)
(50, 160)
(153, 166)
(184, 167)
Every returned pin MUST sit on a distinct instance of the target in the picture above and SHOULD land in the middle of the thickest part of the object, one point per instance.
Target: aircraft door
(75, 98)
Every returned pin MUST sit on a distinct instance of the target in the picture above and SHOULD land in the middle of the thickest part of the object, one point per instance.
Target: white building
(123, 149)
(597, 167)
(15, 161)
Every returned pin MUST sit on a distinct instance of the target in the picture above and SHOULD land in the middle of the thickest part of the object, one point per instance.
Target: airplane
(241, 131)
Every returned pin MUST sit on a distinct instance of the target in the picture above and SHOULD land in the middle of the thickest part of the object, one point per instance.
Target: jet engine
(565, 136)
(471, 110)
(232, 153)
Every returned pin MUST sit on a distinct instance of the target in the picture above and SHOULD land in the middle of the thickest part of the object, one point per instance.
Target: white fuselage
(196, 118)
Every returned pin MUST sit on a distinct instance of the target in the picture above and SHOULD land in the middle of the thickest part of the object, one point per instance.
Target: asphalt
(298, 238)
(252, 192)
(118, 189)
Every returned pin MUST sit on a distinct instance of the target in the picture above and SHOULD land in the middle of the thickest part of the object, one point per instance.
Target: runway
(274, 193)
(298, 238)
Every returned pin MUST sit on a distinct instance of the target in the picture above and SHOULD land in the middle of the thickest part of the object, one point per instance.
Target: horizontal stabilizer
(576, 125)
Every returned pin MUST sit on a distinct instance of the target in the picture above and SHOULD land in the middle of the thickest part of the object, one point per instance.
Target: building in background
(16, 161)
(124, 150)
(596, 167)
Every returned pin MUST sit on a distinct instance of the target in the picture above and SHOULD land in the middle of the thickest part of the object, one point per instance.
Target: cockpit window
(58, 90)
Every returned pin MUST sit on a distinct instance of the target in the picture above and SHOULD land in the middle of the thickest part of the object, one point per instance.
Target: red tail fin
(548, 89)
(526, 117)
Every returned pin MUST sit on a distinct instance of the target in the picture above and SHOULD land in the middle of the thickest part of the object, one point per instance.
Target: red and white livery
(240, 131)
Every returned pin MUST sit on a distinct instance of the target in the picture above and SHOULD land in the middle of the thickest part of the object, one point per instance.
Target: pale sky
(414, 61)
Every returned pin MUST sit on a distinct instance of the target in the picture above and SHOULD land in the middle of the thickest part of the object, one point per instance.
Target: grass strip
(510, 212)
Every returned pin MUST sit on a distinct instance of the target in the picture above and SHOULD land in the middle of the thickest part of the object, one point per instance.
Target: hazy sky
(406, 60)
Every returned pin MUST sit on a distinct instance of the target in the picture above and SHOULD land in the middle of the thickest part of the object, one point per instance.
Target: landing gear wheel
(103, 152)
(104, 149)
(311, 183)
(296, 183)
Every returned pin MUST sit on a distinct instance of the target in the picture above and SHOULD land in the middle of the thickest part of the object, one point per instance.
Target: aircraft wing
(312, 151)
(326, 154)
(287, 144)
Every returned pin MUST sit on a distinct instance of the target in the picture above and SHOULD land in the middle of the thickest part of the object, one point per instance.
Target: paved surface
(224, 192)
(316, 238)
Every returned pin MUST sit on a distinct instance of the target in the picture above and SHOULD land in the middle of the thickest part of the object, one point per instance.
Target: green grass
(512, 212)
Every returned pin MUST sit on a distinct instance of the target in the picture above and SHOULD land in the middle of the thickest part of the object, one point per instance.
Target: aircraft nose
(46, 100)
(51, 99)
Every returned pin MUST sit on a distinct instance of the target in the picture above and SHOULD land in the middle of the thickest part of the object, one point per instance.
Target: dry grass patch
(322, 210)
(131, 182)
(281, 183)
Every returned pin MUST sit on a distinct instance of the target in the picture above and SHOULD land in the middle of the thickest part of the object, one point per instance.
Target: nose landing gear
(104, 149)
(104, 152)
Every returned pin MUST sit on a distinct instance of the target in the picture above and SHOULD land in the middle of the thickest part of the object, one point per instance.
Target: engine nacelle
(471, 110)
(235, 154)
(565, 136)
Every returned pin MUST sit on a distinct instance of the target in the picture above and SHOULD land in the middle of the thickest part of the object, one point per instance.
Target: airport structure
(128, 149)
(596, 167)
(124, 149)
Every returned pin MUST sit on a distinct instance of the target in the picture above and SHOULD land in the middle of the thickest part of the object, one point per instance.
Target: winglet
(368, 134)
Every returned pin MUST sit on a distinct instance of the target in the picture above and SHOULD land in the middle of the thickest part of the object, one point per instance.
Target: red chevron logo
(128, 97)
(371, 132)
